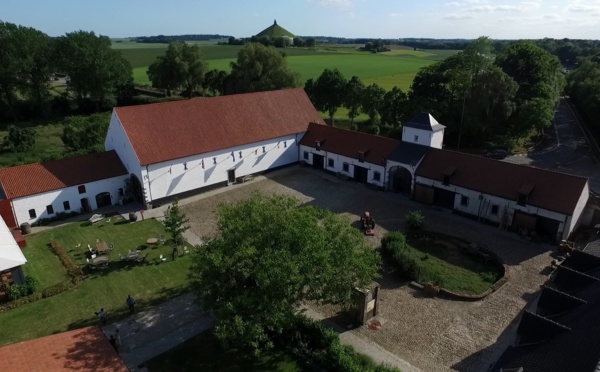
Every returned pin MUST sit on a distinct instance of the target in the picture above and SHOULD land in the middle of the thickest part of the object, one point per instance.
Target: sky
(443, 19)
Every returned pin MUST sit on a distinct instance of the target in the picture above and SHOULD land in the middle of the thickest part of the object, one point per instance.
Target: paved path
(155, 330)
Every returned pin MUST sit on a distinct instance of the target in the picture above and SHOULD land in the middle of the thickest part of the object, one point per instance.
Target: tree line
(478, 96)
(166, 39)
(583, 87)
(98, 77)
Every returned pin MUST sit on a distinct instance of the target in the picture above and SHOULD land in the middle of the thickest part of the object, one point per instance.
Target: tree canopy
(85, 134)
(328, 91)
(181, 68)
(260, 68)
(270, 256)
(96, 71)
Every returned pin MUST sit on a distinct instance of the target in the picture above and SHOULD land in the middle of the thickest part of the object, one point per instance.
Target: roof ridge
(204, 98)
(361, 133)
(513, 164)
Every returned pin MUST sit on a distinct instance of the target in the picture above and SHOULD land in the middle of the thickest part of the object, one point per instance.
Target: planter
(132, 216)
(25, 228)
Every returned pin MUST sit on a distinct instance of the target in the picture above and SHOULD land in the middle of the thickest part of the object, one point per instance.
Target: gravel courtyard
(432, 334)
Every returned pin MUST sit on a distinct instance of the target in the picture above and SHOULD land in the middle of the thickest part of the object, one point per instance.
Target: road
(565, 149)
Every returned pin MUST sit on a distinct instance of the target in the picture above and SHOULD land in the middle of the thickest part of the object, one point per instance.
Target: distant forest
(170, 38)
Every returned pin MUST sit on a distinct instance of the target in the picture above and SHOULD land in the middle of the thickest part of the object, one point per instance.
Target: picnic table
(152, 241)
(101, 247)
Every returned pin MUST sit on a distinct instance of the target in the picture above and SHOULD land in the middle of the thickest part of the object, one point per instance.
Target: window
(377, 176)
(50, 209)
(330, 163)
(318, 145)
(464, 201)
(66, 205)
(346, 167)
(81, 189)
(305, 155)
(416, 138)
(32, 213)
(446, 180)
(495, 209)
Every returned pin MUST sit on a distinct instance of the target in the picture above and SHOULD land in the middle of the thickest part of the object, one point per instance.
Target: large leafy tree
(540, 79)
(214, 81)
(372, 100)
(328, 91)
(96, 71)
(270, 256)
(25, 67)
(260, 68)
(85, 134)
(182, 67)
(393, 107)
(19, 139)
(584, 90)
(353, 98)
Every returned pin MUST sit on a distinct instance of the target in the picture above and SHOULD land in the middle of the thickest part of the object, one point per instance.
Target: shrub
(60, 216)
(57, 289)
(415, 220)
(374, 129)
(407, 265)
(73, 269)
(393, 240)
(354, 127)
(21, 290)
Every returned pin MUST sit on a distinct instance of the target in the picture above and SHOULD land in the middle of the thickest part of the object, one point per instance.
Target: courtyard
(433, 334)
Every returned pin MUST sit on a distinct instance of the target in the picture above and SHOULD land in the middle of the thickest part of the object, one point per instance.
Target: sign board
(370, 305)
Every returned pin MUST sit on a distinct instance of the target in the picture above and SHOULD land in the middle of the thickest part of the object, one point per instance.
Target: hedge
(73, 269)
(320, 347)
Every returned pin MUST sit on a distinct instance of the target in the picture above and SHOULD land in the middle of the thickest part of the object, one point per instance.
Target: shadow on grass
(204, 353)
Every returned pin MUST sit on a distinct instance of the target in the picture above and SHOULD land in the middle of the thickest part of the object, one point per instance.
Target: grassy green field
(107, 287)
(394, 68)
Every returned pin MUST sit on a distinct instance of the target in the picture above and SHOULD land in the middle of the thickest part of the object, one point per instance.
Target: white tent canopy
(10, 252)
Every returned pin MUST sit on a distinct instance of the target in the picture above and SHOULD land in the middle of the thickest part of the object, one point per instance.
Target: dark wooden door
(318, 161)
(444, 198)
(361, 174)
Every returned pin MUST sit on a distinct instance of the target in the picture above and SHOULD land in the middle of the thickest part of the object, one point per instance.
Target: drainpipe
(149, 186)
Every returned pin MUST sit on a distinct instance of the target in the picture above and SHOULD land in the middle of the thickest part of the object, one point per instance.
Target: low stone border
(493, 257)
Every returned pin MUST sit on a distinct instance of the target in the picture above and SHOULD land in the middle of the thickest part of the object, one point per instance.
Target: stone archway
(400, 180)
(136, 189)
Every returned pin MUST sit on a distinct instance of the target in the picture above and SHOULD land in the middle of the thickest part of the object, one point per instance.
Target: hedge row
(320, 347)
(394, 243)
(48, 292)
(73, 269)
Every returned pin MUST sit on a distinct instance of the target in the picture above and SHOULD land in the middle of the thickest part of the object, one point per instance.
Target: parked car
(497, 154)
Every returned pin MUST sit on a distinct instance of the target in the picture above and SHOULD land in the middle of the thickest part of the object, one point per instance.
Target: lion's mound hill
(275, 31)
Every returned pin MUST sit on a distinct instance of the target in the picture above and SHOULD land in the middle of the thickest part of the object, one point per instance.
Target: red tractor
(368, 223)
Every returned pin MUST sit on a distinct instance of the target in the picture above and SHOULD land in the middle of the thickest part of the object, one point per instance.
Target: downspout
(385, 171)
(149, 186)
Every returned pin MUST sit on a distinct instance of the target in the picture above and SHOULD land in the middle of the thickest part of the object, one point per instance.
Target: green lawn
(395, 68)
(147, 282)
(203, 353)
(460, 272)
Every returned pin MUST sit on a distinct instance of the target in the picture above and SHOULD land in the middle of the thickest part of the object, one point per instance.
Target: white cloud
(455, 16)
(395, 14)
(341, 4)
(454, 4)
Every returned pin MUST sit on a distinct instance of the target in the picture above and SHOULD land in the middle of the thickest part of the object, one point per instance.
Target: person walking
(130, 303)
(103, 315)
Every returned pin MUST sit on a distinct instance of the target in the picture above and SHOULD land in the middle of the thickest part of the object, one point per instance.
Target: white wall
(576, 220)
(338, 165)
(170, 178)
(482, 208)
(423, 137)
(21, 206)
(116, 139)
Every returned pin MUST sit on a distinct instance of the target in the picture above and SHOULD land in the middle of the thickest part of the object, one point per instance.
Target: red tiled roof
(171, 130)
(30, 179)
(85, 349)
(349, 143)
(553, 191)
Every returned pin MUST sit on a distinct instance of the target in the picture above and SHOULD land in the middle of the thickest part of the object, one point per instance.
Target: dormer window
(318, 145)
(361, 156)
(448, 173)
(524, 193)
